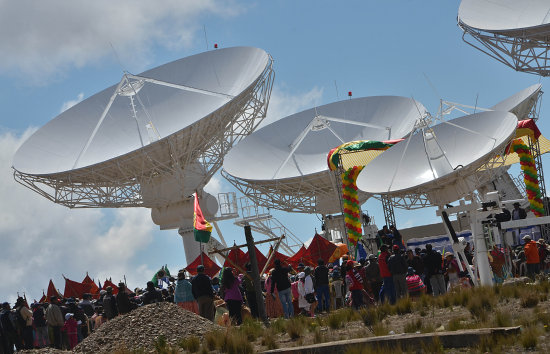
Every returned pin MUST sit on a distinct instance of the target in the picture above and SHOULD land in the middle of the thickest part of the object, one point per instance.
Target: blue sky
(51, 58)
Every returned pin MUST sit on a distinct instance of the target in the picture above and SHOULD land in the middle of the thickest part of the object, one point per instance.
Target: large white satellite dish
(440, 162)
(516, 33)
(284, 165)
(152, 139)
(522, 103)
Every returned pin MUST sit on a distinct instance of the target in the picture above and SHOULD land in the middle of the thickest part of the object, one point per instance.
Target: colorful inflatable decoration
(530, 175)
(352, 211)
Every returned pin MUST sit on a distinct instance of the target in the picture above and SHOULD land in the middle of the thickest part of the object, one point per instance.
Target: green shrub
(413, 326)
(529, 299)
(529, 338)
(295, 328)
(191, 344)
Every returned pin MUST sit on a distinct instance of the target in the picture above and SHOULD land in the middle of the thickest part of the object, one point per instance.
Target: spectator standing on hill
(55, 321)
(10, 332)
(388, 289)
(204, 294)
(415, 285)
(41, 329)
(355, 284)
(250, 292)
(398, 269)
(434, 270)
(518, 212)
(279, 279)
(232, 295)
(532, 256)
(122, 300)
(372, 273)
(109, 304)
(25, 315)
(183, 294)
(321, 286)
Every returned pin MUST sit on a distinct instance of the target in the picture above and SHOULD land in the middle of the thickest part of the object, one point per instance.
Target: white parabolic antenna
(521, 103)
(284, 165)
(517, 33)
(152, 139)
(441, 161)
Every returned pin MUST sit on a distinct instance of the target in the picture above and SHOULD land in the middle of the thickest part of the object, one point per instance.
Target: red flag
(262, 260)
(300, 257)
(210, 267)
(43, 299)
(320, 248)
(201, 228)
(73, 289)
(52, 291)
(109, 283)
(91, 287)
(237, 256)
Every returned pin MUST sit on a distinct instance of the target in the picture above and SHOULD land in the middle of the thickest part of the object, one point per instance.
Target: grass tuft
(529, 338)
(191, 344)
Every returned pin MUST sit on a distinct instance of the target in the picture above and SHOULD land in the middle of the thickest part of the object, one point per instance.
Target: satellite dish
(513, 32)
(152, 139)
(283, 165)
(441, 161)
(522, 103)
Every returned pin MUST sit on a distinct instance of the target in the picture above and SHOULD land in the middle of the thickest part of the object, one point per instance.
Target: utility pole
(255, 274)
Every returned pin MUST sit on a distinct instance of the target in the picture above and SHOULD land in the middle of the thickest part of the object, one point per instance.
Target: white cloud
(68, 104)
(284, 103)
(42, 240)
(41, 39)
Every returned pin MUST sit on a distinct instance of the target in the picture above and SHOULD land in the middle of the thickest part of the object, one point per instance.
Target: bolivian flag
(201, 228)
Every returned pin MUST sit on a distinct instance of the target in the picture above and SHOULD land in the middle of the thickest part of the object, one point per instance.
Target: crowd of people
(393, 273)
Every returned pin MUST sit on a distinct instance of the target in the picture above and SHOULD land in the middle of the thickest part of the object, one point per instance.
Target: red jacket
(532, 252)
(383, 265)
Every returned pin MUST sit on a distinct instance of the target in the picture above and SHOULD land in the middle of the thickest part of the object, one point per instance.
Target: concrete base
(456, 339)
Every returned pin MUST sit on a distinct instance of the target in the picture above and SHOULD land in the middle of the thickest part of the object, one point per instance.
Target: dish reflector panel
(521, 103)
(439, 157)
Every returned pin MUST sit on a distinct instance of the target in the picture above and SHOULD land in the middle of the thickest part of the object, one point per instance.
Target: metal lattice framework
(523, 50)
(300, 194)
(117, 183)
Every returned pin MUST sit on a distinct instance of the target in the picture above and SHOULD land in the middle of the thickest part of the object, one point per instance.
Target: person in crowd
(151, 296)
(398, 269)
(232, 295)
(279, 279)
(40, 326)
(70, 327)
(295, 293)
(183, 294)
(216, 285)
(415, 285)
(273, 306)
(417, 263)
(310, 290)
(250, 291)
(434, 270)
(122, 300)
(354, 282)
(201, 286)
(337, 290)
(531, 255)
(374, 279)
(468, 252)
(497, 262)
(321, 286)
(385, 237)
(24, 322)
(110, 304)
(9, 329)
(306, 295)
(55, 321)
(387, 291)
(397, 238)
(518, 212)
(452, 270)
(97, 318)
(86, 305)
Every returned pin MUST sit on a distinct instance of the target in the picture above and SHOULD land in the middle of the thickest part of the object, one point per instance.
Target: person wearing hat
(70, 327)
(531, 256)
(122, 300)
(151, 295)
(398, 269)
(54, 318)
(452, 270)
(109, 304)
(518, 212)
(24, 323)
(415, 285)
(201, 286)
(9, 330)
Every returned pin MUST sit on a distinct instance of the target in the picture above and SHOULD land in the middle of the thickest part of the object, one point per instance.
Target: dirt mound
(141, 327)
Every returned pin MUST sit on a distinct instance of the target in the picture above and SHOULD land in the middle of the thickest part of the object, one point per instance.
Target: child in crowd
(70, 327)
(337, 290)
